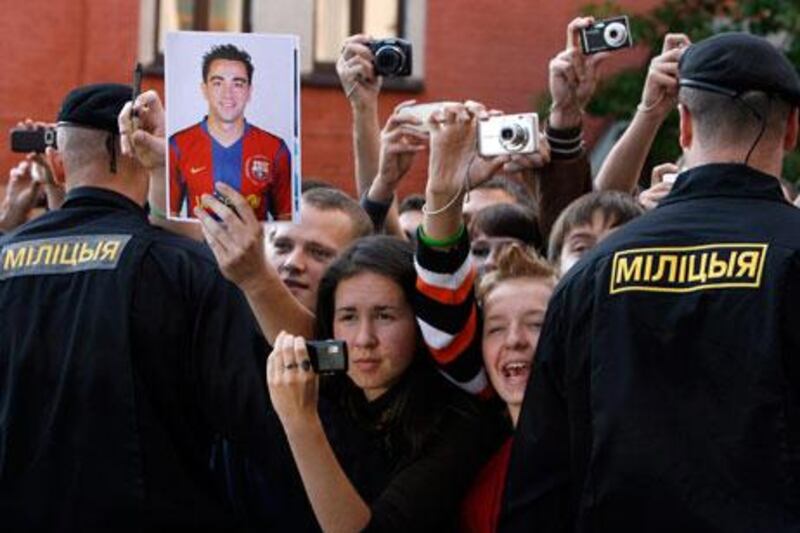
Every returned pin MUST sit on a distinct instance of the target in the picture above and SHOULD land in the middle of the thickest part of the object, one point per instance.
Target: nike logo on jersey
(195, 170)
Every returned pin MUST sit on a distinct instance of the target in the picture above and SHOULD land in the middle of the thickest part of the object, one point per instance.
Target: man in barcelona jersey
(225, 147)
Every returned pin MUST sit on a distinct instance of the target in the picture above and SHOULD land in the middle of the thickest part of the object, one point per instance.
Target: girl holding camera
(390, 446)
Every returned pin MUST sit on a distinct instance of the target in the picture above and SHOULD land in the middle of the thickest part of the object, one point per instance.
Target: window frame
(295, 17)
(323, 73)
(200, 22)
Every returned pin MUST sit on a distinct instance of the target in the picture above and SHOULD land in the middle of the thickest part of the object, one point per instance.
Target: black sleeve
(229, 362)
(377, 211)
(426, 495)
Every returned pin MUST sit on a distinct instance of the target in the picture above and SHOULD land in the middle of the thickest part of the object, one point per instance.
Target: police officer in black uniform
(123, 353)
(666, 391)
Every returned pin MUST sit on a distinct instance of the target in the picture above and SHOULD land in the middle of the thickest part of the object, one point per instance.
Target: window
(198, 15)
(334, 20)
(321, 24)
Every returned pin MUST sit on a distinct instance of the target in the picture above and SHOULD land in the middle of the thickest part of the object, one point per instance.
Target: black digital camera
(392, 57)
(327, 357)
(24, 140)
(609, 34)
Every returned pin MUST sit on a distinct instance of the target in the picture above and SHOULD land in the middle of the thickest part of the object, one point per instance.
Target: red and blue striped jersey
(258, 165)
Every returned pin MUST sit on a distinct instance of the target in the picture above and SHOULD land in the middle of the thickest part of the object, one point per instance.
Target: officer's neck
(225, 133)
(127, 181)
(762, 159)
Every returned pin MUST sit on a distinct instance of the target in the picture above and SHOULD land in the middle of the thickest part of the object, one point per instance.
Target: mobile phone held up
(24, 140)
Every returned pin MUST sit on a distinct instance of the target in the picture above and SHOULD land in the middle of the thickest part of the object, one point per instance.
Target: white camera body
(508, 134)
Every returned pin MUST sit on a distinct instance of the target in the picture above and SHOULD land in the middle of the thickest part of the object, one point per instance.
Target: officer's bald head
(722, 121)
(81, 147)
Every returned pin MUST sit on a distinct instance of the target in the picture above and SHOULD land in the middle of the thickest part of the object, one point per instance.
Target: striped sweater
(448, 314)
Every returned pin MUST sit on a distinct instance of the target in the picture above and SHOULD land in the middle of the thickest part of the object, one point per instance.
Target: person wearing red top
(225, 147)
(514, 301)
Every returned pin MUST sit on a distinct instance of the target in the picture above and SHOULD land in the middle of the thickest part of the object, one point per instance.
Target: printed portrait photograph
(233, 116)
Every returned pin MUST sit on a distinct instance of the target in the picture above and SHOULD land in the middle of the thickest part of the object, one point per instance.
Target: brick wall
(494, 52)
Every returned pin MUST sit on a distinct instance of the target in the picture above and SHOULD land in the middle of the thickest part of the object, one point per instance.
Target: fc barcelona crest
(257, 168)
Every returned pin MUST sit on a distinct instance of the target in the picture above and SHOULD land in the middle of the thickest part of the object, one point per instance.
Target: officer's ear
(56, 165)
(790, 137)
(687, 132)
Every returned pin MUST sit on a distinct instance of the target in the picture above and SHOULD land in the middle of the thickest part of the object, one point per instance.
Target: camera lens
(514, 137)
(389, 59)
(615, 35)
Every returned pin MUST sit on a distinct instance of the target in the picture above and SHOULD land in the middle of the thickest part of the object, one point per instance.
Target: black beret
(734, 63)
(95, 106)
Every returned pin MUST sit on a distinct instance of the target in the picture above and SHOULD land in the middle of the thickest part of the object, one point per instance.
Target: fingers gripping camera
(508, 134)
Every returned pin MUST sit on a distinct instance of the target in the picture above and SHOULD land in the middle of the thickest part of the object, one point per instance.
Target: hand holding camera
(573, 77)
(660, 92)
(293, 387)
(401, 140)
(356, 72)
(293, 370)
(22, 192)
(530, 162)
(455, 165)
(453, 141)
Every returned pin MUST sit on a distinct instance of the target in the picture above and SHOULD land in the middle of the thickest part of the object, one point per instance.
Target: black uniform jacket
(666, 388)
(123, 354)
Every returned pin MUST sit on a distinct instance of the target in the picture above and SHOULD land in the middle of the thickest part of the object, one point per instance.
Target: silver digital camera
(508, 134)
(609, 34)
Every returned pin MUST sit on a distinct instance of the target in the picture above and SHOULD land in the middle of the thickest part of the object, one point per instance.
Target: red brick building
(494, 52)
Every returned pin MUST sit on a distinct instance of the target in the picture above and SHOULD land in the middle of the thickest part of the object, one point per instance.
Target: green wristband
(441, 243)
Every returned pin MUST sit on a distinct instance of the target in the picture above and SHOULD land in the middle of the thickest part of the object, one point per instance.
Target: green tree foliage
(617, 96)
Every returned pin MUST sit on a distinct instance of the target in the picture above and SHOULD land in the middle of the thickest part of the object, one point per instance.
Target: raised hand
(293, 386)
(659, 189)
(660, 94)
(573, 78)
(237, 238)
(356, 72)
(21, 193)
(400, 142)
(142, 130)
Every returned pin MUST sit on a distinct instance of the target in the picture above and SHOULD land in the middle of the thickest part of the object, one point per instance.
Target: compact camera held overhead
(607, 35)
(392, 57)
(508, 134)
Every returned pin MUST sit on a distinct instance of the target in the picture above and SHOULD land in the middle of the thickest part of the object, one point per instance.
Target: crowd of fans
(440, 298)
